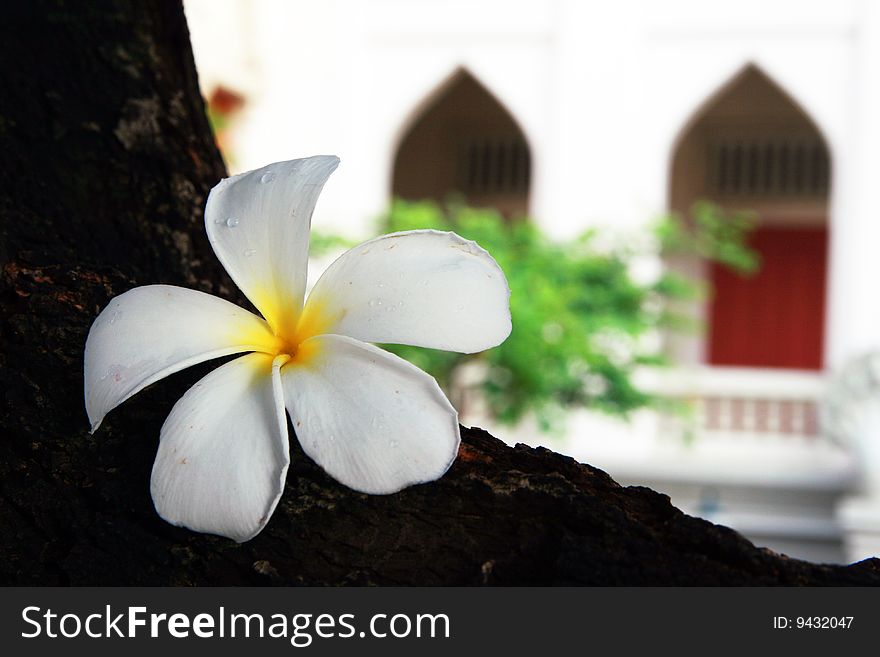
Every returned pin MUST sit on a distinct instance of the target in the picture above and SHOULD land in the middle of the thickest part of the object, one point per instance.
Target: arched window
(465, 142)
(753, 148)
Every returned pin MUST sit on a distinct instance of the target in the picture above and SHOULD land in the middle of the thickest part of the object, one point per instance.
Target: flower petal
(258, 223)
(223, 451)
(423, 288)
(153, 331)
(373, 421)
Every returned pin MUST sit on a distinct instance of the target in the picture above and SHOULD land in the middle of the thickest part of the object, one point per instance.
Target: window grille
(495, 166)
(777, 167)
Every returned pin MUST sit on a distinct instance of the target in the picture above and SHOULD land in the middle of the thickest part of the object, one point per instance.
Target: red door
(775, 318)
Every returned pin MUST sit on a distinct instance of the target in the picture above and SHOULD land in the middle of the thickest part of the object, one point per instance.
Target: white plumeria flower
(373, 421)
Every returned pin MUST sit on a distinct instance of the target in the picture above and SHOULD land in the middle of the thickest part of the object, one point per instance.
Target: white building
(609, 113)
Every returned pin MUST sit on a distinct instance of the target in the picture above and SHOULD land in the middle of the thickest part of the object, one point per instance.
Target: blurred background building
(579, 114)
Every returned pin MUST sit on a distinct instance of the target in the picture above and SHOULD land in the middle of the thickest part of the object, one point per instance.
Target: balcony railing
(724, 404)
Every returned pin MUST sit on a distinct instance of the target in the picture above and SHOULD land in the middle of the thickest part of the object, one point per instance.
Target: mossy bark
(107, 158)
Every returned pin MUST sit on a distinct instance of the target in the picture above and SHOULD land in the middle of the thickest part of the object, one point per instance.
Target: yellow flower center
(291, 330)
(287, 329)
(292, 339)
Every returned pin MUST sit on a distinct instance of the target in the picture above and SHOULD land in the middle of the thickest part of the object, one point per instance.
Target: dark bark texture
(106, 159)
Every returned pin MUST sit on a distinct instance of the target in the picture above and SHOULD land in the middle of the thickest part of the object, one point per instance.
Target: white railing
(726, 403)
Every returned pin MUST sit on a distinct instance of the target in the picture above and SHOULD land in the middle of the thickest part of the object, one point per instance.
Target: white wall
(602, 91)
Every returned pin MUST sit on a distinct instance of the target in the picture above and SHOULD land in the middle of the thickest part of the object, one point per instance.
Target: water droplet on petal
(114, 316)
(460, 308)
(267, 177)
(249, 252)
(232, 222)
(393, 443)
(218, 221)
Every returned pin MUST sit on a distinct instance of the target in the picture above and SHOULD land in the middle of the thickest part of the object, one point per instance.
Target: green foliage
(323, 243)
(580, 318)
(713, 234)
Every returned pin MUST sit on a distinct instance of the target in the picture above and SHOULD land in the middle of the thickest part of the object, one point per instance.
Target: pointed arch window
(465, 142)
(752, 147)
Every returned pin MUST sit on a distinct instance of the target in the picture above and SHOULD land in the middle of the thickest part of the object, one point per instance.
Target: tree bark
(107, 158)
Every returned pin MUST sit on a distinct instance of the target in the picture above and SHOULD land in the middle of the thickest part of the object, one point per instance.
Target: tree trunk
(107, 158)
